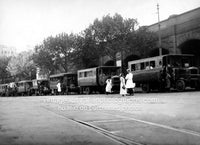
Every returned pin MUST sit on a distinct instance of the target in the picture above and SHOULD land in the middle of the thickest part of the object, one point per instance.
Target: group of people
(126, 84)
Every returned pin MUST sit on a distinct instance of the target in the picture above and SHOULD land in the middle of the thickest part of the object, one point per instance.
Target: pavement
(154, 118)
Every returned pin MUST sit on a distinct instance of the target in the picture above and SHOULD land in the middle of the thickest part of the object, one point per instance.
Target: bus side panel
(87, 81)
(87, 77)
(53, 84)
(147, 76)
(21, 88)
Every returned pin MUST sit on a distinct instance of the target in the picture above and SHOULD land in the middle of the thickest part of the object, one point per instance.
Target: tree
(4, 73)
(55, 53)
(141, 42)
(110, 33)
(22, 66)
(88, 50)
(105, 37)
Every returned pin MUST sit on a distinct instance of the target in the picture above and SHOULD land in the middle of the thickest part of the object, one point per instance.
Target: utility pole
(175, 41)
(159, 34)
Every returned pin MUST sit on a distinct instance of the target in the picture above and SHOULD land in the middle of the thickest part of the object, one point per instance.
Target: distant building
(6, 51)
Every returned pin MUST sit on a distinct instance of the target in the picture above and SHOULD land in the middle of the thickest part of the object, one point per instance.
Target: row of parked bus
(83, 81)
(161, 73)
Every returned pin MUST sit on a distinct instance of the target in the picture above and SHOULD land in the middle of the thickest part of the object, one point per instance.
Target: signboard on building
(118, 59)
(119, 63)
(41, 75)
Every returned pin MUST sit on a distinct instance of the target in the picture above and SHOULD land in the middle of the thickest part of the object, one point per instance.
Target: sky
(26, 23)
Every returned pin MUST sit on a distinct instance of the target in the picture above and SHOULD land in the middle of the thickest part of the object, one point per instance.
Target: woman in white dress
(123, 91)
(129, 82)
(108, 86)
(59, 87)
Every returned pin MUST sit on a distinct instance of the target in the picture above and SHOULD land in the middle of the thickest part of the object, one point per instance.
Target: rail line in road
(186, 131)
(116, 138)
(117, 135)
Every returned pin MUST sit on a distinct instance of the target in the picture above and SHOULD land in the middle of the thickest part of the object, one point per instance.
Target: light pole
(159, 34)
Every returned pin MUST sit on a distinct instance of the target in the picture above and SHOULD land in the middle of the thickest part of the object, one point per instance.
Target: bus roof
(157, 57)
(61, 74)
(24, 81)
(4, 84)
(87, 69)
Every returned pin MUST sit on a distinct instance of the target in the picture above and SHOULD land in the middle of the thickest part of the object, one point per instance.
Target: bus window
(81, 74)
(160, 62)
(137, 66)
(142, 66)
(152, 64)
(132, 67)
(89, 74)
(85, 74)
(185, 62)
(146, 64)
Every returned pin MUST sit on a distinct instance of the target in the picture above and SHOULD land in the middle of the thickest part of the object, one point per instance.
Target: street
(143, 119)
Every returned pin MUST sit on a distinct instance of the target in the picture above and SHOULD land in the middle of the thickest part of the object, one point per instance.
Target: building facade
(180, 34)
(6, 51)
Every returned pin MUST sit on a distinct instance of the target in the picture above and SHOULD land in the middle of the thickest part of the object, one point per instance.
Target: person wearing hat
(129, 82)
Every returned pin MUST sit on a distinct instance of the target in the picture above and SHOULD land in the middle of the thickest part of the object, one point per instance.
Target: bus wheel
(180, 85)
(145, 88)
(87, 90)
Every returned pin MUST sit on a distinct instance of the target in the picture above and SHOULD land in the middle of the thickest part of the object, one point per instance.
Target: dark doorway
(191, 47)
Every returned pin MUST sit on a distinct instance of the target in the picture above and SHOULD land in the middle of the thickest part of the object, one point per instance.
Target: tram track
(106, 133)
(185, 131)
(114, 135)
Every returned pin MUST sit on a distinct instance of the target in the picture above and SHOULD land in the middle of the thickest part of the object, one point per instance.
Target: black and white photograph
(99, 72)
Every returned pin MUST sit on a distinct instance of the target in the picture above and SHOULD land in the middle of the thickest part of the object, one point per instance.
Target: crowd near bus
(161, 73)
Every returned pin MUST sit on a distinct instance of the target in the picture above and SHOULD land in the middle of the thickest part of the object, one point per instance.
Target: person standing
(59, 87)
(108, 86)
(123, 91)
(129, 82)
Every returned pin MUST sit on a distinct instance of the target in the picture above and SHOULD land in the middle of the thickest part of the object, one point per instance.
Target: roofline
(24, 81)
(162, 56)
(60, 74)
(177, 15)
(98, 67)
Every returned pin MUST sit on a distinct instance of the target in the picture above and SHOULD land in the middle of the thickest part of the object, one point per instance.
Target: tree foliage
(140, 42)
(104, 37)
(111, 32)
(55, 53)
(22, 66)
(4, 73)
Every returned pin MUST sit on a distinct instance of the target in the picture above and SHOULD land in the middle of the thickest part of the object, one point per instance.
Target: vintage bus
(94, 79)
(3, 89)
(40, 87)
(165, 72)
(24, 87)
(11, 89)
(68, 83)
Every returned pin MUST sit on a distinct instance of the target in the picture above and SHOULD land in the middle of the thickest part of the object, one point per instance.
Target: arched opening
(110, 63)
(191, 47)
(155, 52)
